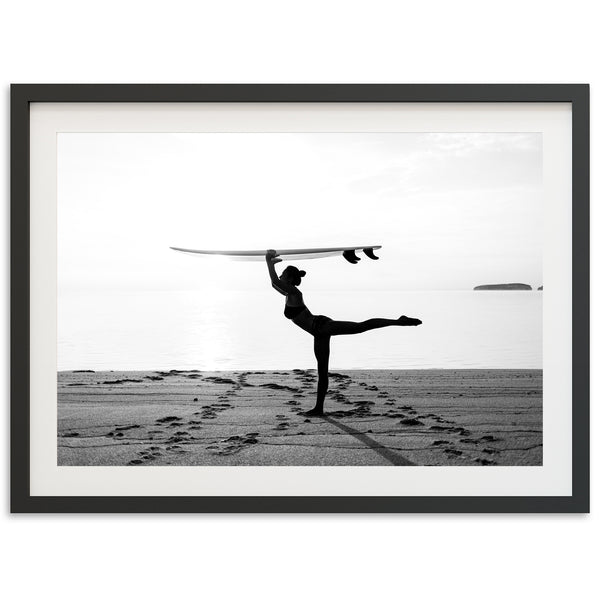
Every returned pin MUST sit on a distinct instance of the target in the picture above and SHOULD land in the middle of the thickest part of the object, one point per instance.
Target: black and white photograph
(300, 299)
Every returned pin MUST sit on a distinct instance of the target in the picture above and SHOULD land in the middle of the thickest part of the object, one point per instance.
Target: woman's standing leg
(322, 356)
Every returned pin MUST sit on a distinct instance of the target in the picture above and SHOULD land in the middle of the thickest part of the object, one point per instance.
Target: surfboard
(348, 252)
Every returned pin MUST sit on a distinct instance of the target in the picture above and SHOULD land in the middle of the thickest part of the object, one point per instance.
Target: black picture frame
(22, 95)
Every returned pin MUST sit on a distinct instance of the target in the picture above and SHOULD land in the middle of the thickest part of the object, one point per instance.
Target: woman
(319, 326)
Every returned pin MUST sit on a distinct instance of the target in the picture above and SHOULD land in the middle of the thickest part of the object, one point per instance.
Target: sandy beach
(429, 417)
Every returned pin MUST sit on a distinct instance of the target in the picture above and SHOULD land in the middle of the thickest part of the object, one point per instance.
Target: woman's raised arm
(272, 258)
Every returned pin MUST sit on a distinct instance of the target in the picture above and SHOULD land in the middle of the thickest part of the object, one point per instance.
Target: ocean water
(196, 330)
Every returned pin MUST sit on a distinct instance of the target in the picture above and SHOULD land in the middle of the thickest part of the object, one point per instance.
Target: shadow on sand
(390, 455)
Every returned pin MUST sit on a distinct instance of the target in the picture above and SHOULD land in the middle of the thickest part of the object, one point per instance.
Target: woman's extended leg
(322, 356)
(351, 327)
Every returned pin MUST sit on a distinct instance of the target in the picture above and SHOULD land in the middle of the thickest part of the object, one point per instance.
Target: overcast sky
(451, 210)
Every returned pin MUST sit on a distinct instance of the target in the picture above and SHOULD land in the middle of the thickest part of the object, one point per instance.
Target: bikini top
(291, 312)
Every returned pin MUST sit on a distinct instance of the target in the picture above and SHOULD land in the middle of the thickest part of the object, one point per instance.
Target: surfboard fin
(350, 256)
(369, 253)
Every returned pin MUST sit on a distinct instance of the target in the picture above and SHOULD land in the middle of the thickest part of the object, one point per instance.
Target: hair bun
(302, 273)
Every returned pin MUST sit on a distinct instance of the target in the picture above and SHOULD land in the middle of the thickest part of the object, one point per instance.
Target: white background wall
(292, 556)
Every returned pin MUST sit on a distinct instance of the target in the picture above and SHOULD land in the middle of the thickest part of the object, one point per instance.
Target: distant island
(541, 288)
(504, 286)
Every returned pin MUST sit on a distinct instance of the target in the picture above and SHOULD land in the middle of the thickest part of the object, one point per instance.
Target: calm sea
(195, 330)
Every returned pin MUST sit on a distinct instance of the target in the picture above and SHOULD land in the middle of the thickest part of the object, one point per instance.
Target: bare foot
(314, 412)
(408, 321)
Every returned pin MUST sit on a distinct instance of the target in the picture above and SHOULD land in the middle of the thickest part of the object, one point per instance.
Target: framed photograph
(300, 298)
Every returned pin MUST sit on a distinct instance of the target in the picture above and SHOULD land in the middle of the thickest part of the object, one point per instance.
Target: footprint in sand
(179, 436)
(340, 377)
(220, 380)
(359, 411)
(394, 414)
(439, 428)
(234, 444)
(461, 431)
(146, 456)
(168, 419)
(453, 452)
(429, 416)
(411, 422)
(276, 386)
